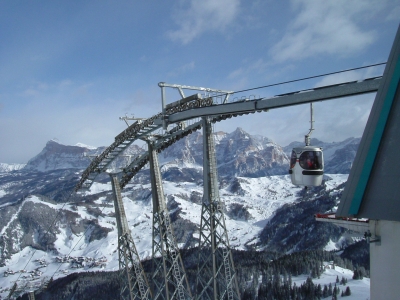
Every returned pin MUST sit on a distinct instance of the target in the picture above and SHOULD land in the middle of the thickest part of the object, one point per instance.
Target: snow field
(360, 289)
(259, 196)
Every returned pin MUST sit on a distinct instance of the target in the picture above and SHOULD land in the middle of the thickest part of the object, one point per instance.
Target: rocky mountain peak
(239, 132)
(58, 156)
(238, 154)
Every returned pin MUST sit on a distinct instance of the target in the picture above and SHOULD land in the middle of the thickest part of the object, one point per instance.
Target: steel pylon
(169, 276)
(134, 284)
(216, 276)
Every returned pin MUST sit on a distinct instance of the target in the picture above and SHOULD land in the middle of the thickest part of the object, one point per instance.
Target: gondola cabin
(307, 166)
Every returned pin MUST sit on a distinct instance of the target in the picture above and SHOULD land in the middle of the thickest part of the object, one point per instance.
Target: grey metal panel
(337, 91)
(373, 185)
(356, 226)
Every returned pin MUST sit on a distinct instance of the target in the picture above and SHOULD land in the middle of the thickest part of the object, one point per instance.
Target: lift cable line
(310, 77)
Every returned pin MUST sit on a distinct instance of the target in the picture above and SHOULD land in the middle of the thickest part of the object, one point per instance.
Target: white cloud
(327, 27)
(202, 16)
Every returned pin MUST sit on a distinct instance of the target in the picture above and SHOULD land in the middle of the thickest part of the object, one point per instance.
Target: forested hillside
(261, 275)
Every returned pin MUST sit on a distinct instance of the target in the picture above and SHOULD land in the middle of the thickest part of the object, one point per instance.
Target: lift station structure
(216, 270)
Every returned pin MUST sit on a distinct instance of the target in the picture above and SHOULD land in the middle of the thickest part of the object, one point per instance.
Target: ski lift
(307, 163)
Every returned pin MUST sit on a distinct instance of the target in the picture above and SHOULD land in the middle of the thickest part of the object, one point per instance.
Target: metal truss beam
(180, 112)
(162, 142)
(169, 275)
(134, 284)
(216, 276)
(180, 88)
(296, 98)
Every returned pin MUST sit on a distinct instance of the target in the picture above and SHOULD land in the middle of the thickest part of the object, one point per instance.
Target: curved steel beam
(194, 106)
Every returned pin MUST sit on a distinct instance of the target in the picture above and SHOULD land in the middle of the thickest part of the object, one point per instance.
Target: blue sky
(70, 69)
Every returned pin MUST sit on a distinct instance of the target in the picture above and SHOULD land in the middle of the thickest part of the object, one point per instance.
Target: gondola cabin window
(311, 160)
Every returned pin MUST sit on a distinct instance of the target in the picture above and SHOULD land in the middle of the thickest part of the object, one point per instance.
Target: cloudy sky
(70, 69)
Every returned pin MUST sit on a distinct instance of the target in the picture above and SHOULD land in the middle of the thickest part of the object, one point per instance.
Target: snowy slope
(249, 203)
(260, 197)
(360, 289)
(10, 167)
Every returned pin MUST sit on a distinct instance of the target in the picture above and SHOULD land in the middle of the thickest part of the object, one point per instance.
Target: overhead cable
(310, 77)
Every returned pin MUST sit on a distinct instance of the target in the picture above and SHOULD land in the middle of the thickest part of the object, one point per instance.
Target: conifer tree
(325, 292)
(347, 292)
(313, 273)
(355, 275)
(318, 292)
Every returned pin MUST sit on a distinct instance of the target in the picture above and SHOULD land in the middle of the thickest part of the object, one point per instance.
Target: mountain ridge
(254, 190)
(238, 154)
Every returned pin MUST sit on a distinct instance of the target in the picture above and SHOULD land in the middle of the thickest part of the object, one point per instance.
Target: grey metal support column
(164, 122)
(134, 284)
(216, 277)
(169, 275)
(31, 295)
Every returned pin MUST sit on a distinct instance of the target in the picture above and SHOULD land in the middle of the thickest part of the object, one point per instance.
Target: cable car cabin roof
(373, 187)
(307, 148)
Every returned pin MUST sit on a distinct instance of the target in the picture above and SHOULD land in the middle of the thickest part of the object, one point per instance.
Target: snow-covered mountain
(340, 157)
(250, 156)
(86, 227)
(238, 154)
(4, 168)
(261, 205)
(57, 156)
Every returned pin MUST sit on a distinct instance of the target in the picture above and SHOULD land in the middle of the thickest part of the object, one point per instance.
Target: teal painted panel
(375, 142)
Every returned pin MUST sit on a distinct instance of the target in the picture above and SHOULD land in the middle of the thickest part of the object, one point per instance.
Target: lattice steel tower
(134, 284)
(31, 295)
(216, 277)
(169, 274)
